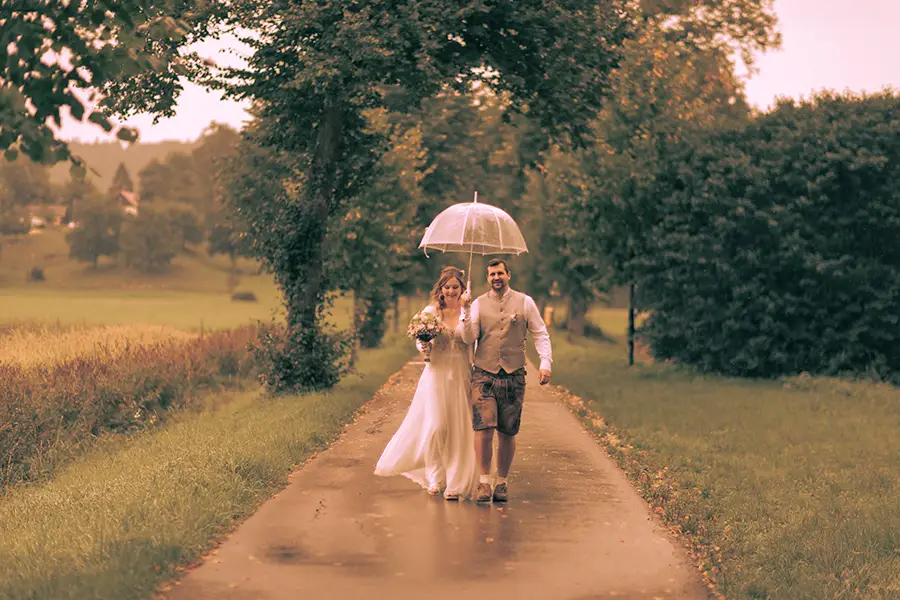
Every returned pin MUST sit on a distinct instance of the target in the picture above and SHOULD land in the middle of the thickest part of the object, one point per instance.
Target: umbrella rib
(499, 229)
(462, 234)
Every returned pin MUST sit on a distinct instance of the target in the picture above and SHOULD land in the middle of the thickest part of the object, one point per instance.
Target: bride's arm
(471, 329)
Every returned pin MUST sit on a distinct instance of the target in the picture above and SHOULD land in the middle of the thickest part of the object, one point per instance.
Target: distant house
(128, 202)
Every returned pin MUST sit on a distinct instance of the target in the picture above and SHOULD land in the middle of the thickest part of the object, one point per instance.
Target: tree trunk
(359, 311)
(397, 314)
(630, 324)
(576, 317)
(307, 288)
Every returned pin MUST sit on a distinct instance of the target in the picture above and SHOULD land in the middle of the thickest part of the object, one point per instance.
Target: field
(110, 514)
(785, 489)
(193, 294)
(134, 511)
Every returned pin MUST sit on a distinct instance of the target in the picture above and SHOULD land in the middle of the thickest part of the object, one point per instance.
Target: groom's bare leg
(506, 449)
(484, 450)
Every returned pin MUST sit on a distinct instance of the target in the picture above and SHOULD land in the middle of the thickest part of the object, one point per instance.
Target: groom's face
(498, 278)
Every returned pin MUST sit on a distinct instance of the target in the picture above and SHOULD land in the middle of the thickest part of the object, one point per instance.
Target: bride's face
(451, 290)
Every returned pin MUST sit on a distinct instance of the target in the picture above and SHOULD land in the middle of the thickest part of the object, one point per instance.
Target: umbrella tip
(476, 197)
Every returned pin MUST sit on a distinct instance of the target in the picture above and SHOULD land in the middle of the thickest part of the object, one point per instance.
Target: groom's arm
(471, 323)
(538, 329)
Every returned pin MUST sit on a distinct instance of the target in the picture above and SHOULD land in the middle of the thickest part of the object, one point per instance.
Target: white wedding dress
(434, 445)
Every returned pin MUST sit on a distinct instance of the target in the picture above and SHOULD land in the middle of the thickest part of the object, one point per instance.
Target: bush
(243, 297)
(46, 411)
(14, 221)
(149, 241)
(775, 251)
(36, 274)
(301, 360)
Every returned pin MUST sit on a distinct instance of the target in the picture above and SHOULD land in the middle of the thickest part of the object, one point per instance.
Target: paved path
(574, 529)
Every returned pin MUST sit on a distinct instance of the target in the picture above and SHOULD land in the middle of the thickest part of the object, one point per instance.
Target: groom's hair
(494, 262)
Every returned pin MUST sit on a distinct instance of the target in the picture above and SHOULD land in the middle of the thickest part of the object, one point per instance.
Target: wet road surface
(574, 529)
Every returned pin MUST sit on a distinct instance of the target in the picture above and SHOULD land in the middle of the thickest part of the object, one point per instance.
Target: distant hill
(104, 158)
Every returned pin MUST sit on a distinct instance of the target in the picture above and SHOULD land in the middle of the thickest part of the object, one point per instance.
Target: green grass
(786, 489)
(192, 294)
(120, 520)
(183, 310)
(193, 271)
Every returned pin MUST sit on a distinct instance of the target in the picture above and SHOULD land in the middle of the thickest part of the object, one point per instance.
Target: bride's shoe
(451, 497)
(433, 490)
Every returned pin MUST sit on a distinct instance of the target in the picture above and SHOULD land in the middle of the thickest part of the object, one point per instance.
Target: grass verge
(126, 516)
(783, 489)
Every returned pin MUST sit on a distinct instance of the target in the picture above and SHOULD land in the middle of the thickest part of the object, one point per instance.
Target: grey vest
(501, 343)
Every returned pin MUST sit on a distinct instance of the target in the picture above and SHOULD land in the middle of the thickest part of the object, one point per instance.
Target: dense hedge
(777, 248)
(47, 413)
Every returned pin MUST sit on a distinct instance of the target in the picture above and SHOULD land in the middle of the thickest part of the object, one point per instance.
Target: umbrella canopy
(475, 228)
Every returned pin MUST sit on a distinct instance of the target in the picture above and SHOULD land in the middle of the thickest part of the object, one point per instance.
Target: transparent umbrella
(476, 228)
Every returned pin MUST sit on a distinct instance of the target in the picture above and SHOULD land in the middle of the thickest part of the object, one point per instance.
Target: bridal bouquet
(424, 327)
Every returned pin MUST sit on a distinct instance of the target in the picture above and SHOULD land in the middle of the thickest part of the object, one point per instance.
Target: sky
(826, 44)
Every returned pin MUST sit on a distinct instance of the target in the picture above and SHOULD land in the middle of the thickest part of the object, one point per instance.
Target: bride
(434, 445)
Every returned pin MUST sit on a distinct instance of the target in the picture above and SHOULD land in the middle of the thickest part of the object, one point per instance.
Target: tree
(77, 191)
(676, 79)
(14, 221)
(125, 56)
(226, 236)
(372, 243)
(121, 181)
(216, 145)
(97, 232)
(185, 222)
(316, 68)
(25, 183)
(775, 248)
(561, 261)
(173, 179)
(149, 241)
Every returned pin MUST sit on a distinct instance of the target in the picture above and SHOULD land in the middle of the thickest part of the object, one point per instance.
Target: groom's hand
(545, 377)
(465, 299)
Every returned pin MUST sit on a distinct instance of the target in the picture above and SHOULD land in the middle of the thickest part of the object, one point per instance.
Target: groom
(499, 321)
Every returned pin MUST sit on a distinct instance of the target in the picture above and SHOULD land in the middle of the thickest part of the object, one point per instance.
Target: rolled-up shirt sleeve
(471, 324)
(538, 329)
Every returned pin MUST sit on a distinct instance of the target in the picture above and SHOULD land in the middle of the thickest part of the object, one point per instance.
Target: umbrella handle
(469, 272)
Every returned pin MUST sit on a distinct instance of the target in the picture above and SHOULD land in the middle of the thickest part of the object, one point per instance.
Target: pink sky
(827, 44)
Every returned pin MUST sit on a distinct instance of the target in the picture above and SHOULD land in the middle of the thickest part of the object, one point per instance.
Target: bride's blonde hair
(448, 273)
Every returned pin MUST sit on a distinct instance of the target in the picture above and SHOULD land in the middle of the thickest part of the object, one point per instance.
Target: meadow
(134, 432)
(194, 294)
(133, 512)
(783, 489)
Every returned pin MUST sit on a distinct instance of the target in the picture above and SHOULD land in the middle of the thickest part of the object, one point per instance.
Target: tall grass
(39, 346)
(122, 519)
(71, 387)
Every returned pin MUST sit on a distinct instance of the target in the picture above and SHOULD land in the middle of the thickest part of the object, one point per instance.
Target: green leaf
(127, 134)
(75, 107)
(98, 119)
(11, 154)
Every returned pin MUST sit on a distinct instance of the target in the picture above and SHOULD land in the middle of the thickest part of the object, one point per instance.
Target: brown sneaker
(483, 493)
(501, 493)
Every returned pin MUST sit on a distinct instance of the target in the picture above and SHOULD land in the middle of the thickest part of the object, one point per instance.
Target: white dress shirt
(472, 329)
